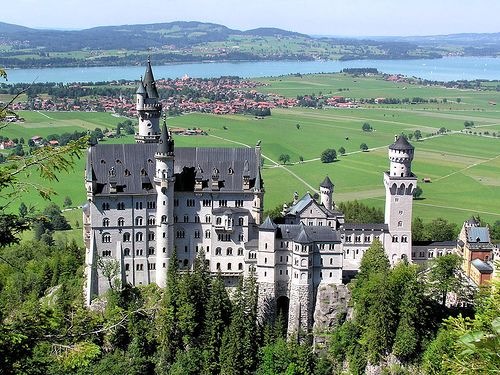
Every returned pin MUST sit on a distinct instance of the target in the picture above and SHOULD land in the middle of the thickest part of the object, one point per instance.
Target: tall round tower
(400, 184)
(148, 108)
(401, 156)
(326, 193)
(164, 183)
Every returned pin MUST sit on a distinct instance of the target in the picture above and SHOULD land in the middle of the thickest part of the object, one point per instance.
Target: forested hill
(130, 37)
(181, 41)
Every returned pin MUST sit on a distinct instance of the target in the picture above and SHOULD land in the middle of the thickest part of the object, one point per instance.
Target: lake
(445, 69)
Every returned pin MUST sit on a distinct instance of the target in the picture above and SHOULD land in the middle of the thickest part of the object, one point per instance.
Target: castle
(146, 199)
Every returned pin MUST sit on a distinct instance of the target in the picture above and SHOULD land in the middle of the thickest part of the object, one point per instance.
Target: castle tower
(266, 270)
(400, 183)
(148, 108)
(258, 191)
(164, 183)
(326, 192)
(300, 315)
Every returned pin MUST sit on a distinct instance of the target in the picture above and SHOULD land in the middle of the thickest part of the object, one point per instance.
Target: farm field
(464, 169)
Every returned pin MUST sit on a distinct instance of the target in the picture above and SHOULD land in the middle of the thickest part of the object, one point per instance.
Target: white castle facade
(146, 199)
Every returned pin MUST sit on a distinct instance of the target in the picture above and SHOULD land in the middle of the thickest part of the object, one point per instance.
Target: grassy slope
(464, 169)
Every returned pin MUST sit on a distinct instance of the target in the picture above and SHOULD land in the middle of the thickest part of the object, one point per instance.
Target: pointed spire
(166, 143)
(258, 181)
(89, 169)
(141, 89)
(149, 81)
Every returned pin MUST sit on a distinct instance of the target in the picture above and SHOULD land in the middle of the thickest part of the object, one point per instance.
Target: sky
(316, 17)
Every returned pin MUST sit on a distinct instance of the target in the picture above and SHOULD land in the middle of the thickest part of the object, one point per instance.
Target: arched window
(229, 266)
(240, 266)
(126, 252)
(241, 221)
(138, 236)
(151, 251)
(207, 233)
(164, 219)
(121, 221)
(400, 223)
(138, 220)
(151, 236)
(218, 251)
(240, 251)
(126, 237)
(218, 266)
(185, 263)
(105, 222)
(218, 221)
(229, 251)
(105, 206)
(106, 238)
(151, 220)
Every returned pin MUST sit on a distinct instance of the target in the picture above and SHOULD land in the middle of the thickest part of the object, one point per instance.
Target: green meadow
(464, 169)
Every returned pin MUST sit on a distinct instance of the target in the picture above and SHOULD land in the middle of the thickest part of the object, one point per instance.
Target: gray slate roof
(327, 183)
(307, 234)
(401, 144)
(478, 235)
(149, 82)
(365, 227)
(268, 224)
(482, 266)
(134, 167)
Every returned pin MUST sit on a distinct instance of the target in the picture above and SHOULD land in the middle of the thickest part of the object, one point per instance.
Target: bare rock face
(331, 306)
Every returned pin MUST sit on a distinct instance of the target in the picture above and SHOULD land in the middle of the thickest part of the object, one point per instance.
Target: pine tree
(169, 335)
(231, 356)
(218, 312)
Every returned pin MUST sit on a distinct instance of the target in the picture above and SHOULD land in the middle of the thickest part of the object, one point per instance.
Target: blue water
(446, 69)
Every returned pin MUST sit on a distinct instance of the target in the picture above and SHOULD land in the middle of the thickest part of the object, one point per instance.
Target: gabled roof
(401, 144)
(327, 183)
(298, 207)
(478, 235)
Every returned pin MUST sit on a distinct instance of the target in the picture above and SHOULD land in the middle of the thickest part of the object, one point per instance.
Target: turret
(326, 193)
(164, 184)
(401, 156)
(148, 108)
(400, 183)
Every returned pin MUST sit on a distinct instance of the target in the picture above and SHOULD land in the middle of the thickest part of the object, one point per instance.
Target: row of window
(121, 205)
(358, 238)
(208, 202)
(229, 251)
(139, 236)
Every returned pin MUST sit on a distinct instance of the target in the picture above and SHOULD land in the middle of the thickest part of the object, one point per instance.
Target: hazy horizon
(356, 18)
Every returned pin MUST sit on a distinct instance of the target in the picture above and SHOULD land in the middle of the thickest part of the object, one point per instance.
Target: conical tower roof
(327, 183)
(165, 143)
(141, 89)
(149, 82)
(268, 224)
(401, 143)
